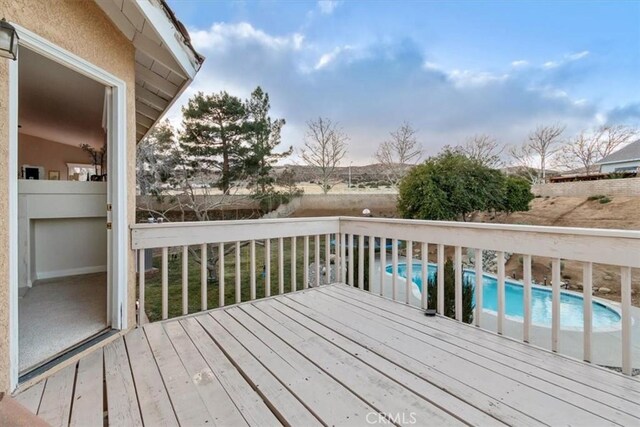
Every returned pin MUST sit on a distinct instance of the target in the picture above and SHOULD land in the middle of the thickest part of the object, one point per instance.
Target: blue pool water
(571, 315)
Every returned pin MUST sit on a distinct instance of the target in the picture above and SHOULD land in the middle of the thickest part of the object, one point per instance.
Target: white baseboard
(42, 275)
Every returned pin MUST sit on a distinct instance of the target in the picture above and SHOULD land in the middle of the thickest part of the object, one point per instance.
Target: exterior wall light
(8, 40)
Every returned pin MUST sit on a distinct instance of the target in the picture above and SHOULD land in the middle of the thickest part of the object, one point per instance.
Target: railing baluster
(424, 259)
(372, 259)
(252, 268)
(394, 268)
(165, 282)
(317, 258)
(343, 259)
(587, 309)
(203, 276)
(238, 273)
(221, 299)
(185, 280)
(479, 285)
(409, 271)
(267, 267)
(351, 257)
(555, 303)
(305, 262)
(625, 291)
(141, 285)
(383, 263)
(293, 264)
(501, 290)
(361, 261)
(440, 284)
(280, 265)
(327, 257)
(526, 324)
(458, 282)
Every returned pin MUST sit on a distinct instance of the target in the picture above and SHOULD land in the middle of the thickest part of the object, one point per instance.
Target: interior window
(80, 172)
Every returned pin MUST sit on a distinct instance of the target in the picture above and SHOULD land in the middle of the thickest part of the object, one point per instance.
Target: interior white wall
(69, 246)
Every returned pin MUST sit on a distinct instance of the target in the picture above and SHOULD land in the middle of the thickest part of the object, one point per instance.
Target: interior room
(62, 209)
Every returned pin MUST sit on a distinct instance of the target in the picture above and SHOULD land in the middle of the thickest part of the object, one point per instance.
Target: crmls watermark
(399, 418)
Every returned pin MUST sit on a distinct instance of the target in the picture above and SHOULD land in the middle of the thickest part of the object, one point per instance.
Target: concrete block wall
(627, 187)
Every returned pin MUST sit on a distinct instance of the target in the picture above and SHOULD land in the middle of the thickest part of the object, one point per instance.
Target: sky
(451, 69)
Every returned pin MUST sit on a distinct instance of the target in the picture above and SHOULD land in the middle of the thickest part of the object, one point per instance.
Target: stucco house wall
(81, 28)
(611, 167)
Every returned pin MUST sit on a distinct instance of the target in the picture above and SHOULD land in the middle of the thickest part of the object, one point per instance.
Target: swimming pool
(571, 316)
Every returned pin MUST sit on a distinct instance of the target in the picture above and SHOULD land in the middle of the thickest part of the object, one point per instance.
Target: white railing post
(440, 281)
(394, 268)
(424, 258)
(280, 265)
(327, 258)
(343, 259)
(238, 273)
(252, 268)
(305, 262)
(409, 271)
(555, 303)
(526, 273)
(479, 286)
(165, 283)
(383, 263)
(458, 282)
(203, 275)
(317, 258)
(267, 267)
(625, 291)
(141, 285)
(185, 280)
(221, 296)
(587, 309)
(294, 284)
(350, 263)
(361, 261)
(501, 291)
(372, 259)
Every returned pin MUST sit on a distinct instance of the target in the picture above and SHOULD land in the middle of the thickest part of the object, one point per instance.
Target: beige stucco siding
(80, 27)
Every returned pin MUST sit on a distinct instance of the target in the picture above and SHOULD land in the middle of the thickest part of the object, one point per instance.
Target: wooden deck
(328, 356)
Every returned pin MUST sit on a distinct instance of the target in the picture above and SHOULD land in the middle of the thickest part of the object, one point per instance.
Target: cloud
(578, 55)
(371, 88)
(327, 7)
(519, 63)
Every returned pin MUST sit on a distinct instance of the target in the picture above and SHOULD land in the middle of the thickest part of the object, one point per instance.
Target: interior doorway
(64, 280)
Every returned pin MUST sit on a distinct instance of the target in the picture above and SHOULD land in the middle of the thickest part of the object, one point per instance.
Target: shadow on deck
(333, 355)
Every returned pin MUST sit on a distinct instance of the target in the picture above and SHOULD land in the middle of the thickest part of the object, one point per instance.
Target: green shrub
(596, 197)
(450, 293)
(604, 200)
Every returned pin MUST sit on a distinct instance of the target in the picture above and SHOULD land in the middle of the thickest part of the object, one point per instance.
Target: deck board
(540, 391)
(333, 355)
(548, 381)
(88, 399)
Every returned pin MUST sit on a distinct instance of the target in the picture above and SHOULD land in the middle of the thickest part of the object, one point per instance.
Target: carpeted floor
(59, 313)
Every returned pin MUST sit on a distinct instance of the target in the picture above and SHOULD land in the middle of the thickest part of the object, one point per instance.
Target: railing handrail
(603, 246)
(148, 236)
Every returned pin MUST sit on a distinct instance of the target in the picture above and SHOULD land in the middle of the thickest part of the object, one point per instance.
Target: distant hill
(367, 173)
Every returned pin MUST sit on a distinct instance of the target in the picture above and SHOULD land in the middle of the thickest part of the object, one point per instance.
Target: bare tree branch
(544, 141)
(399, 152)
(485, 149)
(325, 145)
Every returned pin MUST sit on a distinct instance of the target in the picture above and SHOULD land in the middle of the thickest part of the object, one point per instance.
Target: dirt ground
(619, 213)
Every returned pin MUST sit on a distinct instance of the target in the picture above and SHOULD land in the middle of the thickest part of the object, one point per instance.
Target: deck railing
(355, 251)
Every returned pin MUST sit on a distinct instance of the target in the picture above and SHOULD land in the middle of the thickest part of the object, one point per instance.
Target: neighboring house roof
(166, 61)
(627, 153)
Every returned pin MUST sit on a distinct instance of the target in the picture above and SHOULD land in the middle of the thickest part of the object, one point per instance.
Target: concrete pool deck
(605, 348)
